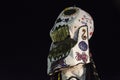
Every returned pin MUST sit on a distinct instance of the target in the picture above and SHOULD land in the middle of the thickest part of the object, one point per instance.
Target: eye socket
(70, 12)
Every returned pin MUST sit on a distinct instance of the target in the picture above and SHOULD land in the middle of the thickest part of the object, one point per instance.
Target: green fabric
(62, 48)
(60, 33)
(61, 41)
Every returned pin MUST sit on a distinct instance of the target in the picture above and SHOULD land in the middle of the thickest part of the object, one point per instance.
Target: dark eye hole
(70, 12)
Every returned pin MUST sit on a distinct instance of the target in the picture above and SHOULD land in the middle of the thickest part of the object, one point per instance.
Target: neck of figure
(77, 71)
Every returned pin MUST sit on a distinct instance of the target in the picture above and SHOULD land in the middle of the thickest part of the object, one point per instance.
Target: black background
(33, 21)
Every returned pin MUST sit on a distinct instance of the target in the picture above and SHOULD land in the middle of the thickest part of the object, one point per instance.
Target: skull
(70, 34)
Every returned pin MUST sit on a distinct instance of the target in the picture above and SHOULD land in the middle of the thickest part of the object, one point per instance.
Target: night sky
(33, 22)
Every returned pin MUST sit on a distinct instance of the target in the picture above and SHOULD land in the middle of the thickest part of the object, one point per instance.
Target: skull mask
(70, 34)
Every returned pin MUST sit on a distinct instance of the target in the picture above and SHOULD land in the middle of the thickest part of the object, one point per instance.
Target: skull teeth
(53, 59)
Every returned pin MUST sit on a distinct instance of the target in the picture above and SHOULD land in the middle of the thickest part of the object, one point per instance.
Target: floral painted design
(82, 56)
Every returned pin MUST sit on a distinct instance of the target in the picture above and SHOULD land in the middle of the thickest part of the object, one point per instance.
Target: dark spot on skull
(58, 20)
(69, 12)
(66, 20)
(75, 26)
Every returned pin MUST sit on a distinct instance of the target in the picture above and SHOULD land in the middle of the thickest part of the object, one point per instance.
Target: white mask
(70, 34)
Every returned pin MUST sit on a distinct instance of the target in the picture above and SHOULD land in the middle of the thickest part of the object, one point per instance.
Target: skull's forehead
(67, 16)
(74, 17)
(70, 12)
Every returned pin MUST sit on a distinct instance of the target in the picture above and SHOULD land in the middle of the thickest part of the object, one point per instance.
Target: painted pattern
(70, 34)
(83, 45)
(83, 35)
(82, 57)
(85, 20)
